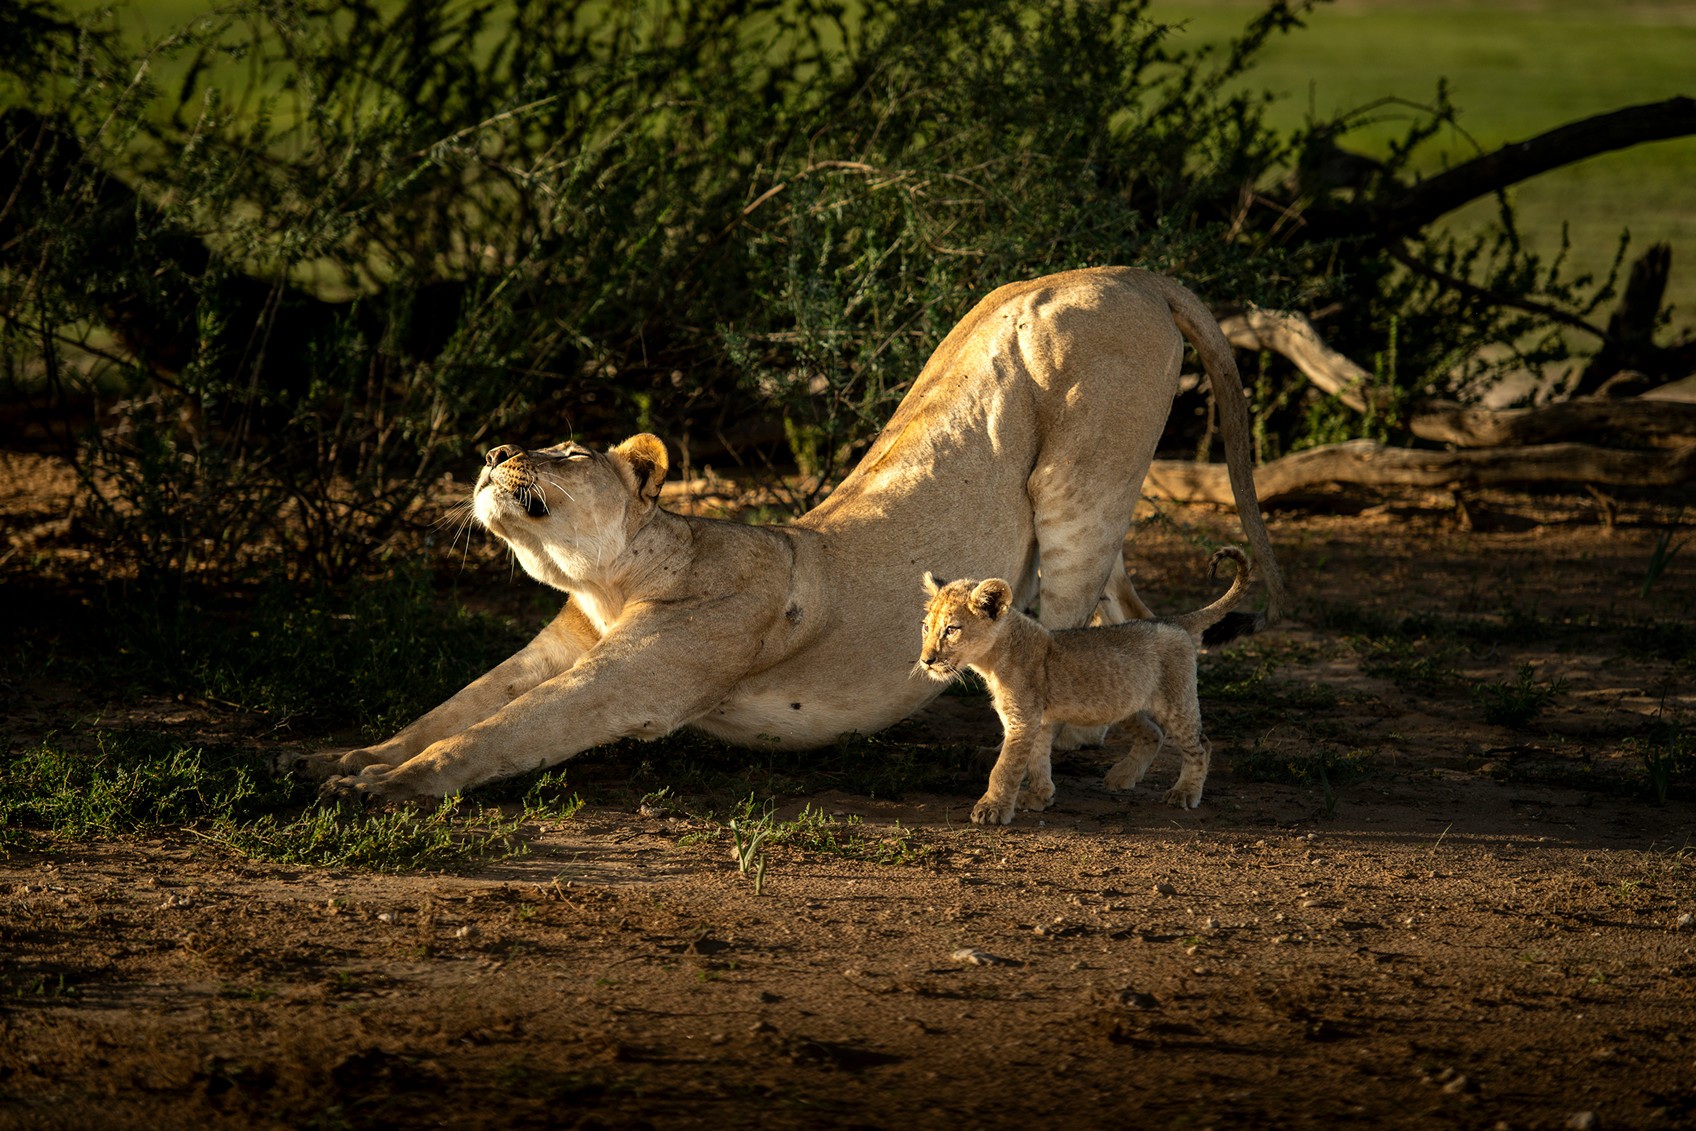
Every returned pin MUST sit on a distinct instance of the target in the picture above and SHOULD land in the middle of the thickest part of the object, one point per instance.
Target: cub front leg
(551, 652)
(1038, 793)
(1021, 747)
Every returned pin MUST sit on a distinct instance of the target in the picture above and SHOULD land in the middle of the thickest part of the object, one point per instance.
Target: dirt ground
(1461, 924)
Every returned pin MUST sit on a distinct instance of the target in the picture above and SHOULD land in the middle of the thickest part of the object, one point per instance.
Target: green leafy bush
(300, 258)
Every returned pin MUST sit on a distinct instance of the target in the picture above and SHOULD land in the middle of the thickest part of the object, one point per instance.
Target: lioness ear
(645, 455)
(992, 598)
(933, 584)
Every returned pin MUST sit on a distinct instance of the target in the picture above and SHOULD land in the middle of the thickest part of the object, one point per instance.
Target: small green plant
(547, 800)
(1412, 664)
(1514, 703)
(1668, 755)
(1661, 556)
(749, 838)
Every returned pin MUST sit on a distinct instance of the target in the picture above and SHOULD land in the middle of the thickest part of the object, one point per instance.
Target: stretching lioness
(1084, 676)
(1019, 452)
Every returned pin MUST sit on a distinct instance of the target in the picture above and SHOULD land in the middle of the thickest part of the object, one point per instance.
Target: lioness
(1019, 452)
(1084, 676)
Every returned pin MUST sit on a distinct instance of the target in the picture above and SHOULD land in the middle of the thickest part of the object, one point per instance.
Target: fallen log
(1627, 420)
(1294, 337)
(1371, 464)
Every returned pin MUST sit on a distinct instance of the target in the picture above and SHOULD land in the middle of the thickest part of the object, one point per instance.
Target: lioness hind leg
(1081, 552)
(1146, 737)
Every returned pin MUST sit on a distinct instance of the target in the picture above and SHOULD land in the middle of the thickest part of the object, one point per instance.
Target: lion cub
(1087, 676)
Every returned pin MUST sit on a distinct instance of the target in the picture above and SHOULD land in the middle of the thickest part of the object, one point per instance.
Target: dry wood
(1628, 420)
(1368, 463)
(1406, 209)
(1295, 338)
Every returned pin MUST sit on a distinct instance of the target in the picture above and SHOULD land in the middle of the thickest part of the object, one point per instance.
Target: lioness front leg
(644, 682)
(552, 651)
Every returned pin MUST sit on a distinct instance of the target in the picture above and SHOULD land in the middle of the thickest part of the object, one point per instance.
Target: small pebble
(1165, 889)
(386, 916)
(1583, 1121)
(1685, 920)
(978, 957)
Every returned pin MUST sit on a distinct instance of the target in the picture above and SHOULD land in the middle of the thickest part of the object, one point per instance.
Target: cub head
(963, 619)
(567, 512)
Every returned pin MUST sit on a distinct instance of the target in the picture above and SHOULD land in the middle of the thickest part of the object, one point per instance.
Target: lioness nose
(500, 454)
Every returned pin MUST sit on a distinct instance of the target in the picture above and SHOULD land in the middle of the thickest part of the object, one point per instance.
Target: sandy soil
(1468, 925)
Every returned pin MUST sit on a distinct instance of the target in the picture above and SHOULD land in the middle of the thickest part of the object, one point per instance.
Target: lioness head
(567, 511)
(962, 622)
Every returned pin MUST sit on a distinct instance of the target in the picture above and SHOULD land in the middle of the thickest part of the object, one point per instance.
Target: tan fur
(1019, 452)
(1086, 676)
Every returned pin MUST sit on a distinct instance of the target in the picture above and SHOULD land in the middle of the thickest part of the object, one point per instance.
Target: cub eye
(951, 630)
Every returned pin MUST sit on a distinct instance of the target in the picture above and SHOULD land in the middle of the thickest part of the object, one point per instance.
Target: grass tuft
(1514, 703)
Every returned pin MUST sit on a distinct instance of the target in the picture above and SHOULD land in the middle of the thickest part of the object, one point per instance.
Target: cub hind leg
(1196, 752)
(1145, 740)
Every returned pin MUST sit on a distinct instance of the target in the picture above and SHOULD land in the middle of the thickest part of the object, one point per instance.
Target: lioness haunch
(1087, 676)
(1019, 452)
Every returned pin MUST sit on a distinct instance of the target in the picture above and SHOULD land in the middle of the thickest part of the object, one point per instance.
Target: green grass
(134, 782)
(1514, 69)
(754, 830)
(1515, 702)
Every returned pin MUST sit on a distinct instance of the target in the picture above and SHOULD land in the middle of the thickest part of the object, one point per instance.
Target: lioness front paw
(1184, 797)
(335, 763)
(371, 786)
(992, 811)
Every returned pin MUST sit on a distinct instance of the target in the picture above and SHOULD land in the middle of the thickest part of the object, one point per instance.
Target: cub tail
(1216, 623)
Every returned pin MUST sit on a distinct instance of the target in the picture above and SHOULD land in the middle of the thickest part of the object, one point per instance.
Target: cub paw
(1070, 737)
(1126, 773)
(1183, 797)
(1036, 798)
(992, 811)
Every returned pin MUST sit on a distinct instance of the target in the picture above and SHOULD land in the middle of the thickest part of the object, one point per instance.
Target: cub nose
(500, 454)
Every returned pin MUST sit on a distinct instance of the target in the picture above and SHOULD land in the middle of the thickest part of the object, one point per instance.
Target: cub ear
(933, 583)
(992, 598)
(644, 454)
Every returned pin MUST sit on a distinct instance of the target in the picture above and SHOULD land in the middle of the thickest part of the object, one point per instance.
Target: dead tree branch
(1388, 217)
(1370, 464)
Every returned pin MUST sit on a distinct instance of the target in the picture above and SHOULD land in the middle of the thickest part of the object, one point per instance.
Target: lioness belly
(796, 719)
